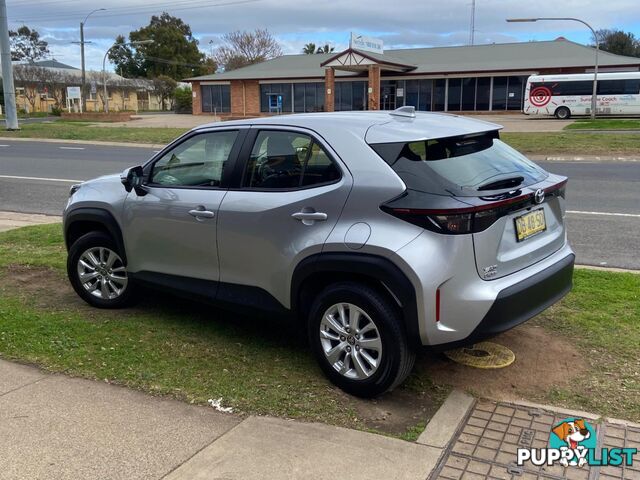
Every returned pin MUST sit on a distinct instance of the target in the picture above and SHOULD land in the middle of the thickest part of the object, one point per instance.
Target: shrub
(183, 100)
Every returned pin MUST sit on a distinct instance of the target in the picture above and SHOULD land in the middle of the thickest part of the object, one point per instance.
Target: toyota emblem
(538, 197)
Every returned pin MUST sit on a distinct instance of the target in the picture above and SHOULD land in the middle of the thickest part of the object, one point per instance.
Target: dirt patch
(543, 361)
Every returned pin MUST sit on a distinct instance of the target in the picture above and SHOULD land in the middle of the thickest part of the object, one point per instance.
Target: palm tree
(325, 49)
(309, 49)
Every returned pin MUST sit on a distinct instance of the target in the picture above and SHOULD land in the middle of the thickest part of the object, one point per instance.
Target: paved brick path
(486, 446)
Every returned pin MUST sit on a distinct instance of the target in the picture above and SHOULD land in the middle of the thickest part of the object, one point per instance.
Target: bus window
(629, 86)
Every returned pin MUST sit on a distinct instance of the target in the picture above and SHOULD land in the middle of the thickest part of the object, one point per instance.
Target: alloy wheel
(102, 273)
(351, 341)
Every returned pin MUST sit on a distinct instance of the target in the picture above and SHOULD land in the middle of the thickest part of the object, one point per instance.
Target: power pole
(11, 116)
(82, 104)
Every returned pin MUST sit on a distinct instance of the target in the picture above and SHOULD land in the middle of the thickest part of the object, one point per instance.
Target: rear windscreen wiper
(503, 183)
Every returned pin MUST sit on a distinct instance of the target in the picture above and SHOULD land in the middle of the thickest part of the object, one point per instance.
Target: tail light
(472, 219)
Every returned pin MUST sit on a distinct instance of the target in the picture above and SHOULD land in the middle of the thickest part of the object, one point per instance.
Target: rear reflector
(437, 305)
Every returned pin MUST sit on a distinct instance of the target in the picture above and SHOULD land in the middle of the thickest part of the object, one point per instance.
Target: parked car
(378, 232)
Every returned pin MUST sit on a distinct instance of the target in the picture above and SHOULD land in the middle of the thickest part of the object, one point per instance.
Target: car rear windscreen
(467, 165)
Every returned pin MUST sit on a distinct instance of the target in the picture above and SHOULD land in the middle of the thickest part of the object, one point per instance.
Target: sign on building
(369, 44)
(73, 93)
(94, 87)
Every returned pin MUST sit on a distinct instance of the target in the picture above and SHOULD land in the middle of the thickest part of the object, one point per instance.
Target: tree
(183, 100)
(32, 79)
(26, 45)
(309, 49)
(163, 88)
(618, 42)
(242, 48)
(173, 53)
(325, 49)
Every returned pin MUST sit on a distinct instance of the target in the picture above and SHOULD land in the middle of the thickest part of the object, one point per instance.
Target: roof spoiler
(406, 111)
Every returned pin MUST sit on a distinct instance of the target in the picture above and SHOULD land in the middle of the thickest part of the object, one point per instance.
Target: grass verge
(575, 143)
(169, 346)
(602, 318)
(90, 132)
(195, 352)
(604, 124)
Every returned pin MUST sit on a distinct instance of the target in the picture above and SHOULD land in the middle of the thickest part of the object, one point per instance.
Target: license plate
(530, 224)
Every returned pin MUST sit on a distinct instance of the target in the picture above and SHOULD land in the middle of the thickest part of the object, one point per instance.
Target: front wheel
(563, 113)
(358, 339)
(97, 273)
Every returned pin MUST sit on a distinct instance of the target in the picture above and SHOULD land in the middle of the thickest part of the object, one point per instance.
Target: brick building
(469, 78)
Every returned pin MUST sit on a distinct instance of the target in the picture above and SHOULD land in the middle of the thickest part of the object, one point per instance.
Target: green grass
(166, 345)
(195, 352)
(605, 124)
(89, 132)
(575, 143)
(602, 317)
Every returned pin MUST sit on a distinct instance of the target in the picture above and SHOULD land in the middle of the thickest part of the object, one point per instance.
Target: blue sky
(400, 23)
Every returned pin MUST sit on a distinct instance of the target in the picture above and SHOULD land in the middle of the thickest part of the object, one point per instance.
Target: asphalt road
(603, 198)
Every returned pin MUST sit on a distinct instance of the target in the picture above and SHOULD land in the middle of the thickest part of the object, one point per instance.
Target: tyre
(97, 272)
(358, 338)
(563, 113)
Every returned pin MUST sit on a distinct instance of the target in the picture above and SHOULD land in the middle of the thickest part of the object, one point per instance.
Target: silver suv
(378, 232)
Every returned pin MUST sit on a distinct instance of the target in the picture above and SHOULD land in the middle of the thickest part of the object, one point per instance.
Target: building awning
(357, 61)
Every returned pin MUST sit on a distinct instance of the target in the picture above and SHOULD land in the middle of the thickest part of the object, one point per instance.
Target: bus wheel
(563, 113)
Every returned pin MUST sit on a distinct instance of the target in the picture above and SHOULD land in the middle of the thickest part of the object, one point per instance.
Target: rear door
(290, 193)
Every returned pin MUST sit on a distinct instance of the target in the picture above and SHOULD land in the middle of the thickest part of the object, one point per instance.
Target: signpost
(369, 44)
(73, 93)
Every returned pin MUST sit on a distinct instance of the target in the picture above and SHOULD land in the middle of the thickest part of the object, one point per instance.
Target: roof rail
(406, 111)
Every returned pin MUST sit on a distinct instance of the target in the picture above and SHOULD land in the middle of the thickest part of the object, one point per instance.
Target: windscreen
(463, 166)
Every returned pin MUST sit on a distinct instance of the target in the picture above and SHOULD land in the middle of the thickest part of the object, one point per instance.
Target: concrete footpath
(53, 426)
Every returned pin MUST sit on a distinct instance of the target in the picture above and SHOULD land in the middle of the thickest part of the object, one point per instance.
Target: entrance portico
(357, 61)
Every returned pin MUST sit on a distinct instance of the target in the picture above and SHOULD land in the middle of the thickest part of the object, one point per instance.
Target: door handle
(200, 213)
(308, 218)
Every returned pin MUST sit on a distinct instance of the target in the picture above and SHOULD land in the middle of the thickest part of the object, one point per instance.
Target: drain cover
(482, 355)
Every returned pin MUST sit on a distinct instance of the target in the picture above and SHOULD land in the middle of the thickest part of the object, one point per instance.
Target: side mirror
(132, 178)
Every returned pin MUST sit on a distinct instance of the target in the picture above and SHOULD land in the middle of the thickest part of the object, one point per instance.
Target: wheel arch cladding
(81, 221)
(324, 268)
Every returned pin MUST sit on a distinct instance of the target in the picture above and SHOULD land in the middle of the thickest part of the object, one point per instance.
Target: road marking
(71, 148)
(5, 145)
(634, 215)
(62, 180)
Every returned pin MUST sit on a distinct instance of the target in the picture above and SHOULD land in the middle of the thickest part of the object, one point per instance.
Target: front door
(388, 97)
(172, 229)
(290, 197)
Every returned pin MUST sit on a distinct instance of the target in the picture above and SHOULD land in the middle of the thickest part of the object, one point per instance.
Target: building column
(374, 87)
(329, 89)
(196, 98)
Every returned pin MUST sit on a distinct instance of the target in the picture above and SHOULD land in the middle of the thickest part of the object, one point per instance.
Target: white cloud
(401, 23)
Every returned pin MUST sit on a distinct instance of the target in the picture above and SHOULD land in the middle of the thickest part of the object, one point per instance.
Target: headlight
(74, 188)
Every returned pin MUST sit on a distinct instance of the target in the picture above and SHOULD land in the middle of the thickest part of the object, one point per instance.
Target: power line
(193, 4)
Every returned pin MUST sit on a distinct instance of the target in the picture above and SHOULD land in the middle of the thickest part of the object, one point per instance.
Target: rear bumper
(520, 302)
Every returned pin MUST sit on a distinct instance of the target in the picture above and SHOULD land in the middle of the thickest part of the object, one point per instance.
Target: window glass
(196, 162)
(216, 98)
(453, 96)
(515, 93)
(482, 93)
(272, 93)
(618, 87)
(438, 94)
(499, 93)
(457, 164)
(287, 160)
(468, 94)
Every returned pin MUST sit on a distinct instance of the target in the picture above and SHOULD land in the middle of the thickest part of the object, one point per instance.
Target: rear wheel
(563, 113)
(358, 339)
(97, 272)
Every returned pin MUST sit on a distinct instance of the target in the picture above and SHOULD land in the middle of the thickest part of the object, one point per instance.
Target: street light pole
(82, 42)
(104, 64)
(594, 95)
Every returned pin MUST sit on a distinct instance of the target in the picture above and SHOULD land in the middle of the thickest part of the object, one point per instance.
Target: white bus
(566, 95)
